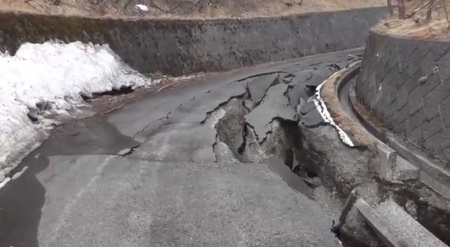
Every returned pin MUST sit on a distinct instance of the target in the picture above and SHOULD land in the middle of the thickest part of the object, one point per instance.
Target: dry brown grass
(185, 8)
(436, 29)
(331, 100)
(417, 27)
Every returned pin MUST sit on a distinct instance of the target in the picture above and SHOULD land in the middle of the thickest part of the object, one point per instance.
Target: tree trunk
(391, 9)
(430, 9)
(401, 9)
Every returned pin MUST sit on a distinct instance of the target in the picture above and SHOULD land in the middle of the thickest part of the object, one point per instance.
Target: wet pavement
(178, 184)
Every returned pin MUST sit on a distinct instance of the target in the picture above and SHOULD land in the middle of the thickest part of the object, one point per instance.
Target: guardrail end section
(388, 160)
(394, 168)
(435, 185)
(380, 227)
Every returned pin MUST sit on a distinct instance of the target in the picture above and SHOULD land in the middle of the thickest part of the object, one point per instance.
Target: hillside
(184, 8)
(416, 26)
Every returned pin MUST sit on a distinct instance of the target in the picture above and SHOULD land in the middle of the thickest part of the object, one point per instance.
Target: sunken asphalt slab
(175, 188)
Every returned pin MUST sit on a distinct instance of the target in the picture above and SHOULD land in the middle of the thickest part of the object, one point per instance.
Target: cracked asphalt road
(181, 185)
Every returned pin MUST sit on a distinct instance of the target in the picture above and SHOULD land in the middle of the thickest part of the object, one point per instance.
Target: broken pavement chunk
(302, 76)
(307, 107)
(274, 105)
(318, 76)
(312, 119)
(296, 93)
(259, 86)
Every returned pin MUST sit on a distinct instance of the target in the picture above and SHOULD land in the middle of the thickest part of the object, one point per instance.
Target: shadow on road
(21, 203)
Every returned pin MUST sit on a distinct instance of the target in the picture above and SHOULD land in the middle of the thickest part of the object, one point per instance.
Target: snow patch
(322, 108)
(54, 73)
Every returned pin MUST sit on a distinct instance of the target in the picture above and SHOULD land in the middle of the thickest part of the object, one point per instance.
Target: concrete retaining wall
(406, 84)
(177, 47)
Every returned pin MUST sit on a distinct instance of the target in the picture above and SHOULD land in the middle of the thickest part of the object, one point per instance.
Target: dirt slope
(417, 27)
(184, 8)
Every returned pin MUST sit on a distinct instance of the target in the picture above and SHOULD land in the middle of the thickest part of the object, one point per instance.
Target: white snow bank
(57, 73)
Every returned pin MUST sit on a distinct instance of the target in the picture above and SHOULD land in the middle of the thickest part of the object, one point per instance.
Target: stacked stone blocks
(405, 83)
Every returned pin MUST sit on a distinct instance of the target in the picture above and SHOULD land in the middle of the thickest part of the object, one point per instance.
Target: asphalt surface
(156, 172)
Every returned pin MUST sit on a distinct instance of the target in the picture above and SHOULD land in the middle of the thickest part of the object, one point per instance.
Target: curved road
(195, 166)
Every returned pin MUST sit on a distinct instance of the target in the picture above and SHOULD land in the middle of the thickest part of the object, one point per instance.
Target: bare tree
(445, 10)
(430, 9)
(391, 9)
(417, 9)
(430, 6)
(401, 9)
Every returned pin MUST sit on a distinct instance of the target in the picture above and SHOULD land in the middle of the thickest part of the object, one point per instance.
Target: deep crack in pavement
(221, 163)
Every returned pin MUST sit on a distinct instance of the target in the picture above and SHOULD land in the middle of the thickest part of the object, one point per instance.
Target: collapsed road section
(241, 159)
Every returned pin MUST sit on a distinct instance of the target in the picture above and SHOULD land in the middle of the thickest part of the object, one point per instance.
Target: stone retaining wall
(177, 47)
(406, 84)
